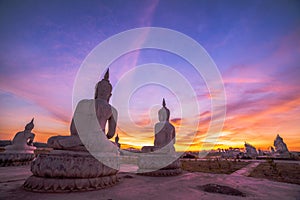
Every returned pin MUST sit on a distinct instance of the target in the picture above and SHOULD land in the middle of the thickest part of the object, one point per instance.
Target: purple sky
(255, 44)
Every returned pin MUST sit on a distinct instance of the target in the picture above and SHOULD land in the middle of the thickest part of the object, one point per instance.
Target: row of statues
(280, 151)
(164, 130)
(87, 160)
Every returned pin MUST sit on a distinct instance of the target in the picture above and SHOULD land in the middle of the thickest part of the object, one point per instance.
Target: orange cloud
(176, 121)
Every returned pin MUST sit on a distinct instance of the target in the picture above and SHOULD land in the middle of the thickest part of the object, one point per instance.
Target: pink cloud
(48, 91)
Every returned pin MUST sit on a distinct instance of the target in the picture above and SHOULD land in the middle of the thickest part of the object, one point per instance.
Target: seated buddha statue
(104, 113)
(164, 133)
(23, 141)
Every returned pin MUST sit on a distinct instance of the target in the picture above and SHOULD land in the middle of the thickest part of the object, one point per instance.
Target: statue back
(103, 112)
(164, 134)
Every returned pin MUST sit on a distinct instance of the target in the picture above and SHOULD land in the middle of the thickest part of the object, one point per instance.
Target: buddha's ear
(96, 94)
(108, 97)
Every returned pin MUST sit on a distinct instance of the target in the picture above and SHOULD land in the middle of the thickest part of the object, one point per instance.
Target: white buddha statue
(164, 133)
(161, 159)
(23, 141)
(164, 130)
(104, 113)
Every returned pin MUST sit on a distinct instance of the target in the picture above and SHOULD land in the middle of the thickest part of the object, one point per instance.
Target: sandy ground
(132, 186)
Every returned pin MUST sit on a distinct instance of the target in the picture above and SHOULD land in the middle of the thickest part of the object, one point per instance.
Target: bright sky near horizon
(255, 45)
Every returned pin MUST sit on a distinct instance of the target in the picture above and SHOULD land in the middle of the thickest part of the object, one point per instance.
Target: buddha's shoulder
(19, 133)
(164, 124)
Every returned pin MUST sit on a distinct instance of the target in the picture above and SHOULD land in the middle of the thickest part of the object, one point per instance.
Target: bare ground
(213, 166)
(282, 172)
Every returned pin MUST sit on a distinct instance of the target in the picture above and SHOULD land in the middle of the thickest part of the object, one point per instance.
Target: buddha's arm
(173, 135)
(32, 135)
(112, 123)
(156, 129)
(30, 139)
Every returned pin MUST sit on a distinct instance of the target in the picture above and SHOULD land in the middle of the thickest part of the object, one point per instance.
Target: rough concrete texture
(132, 186)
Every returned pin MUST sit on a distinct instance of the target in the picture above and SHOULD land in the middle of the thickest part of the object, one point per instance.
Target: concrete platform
(133, 186)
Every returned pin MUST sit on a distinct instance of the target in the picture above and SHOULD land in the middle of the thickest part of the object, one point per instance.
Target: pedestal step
(43, 184)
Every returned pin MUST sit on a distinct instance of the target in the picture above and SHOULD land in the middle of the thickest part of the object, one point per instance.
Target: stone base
(15, 159)
(159, 165)
(283, 155)
(161, 172)
(58, 164)
(129, 160)
(57, 185)
(65, 171)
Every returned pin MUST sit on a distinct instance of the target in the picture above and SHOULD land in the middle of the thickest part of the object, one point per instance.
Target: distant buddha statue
(23, 141)
(164, 133)
(164, 130)
(104, 113)
(280, 146)
(250, 150)
(161, 159)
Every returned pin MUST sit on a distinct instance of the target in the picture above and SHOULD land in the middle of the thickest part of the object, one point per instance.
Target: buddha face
(105, 96)
(103, 90)
(163, 114)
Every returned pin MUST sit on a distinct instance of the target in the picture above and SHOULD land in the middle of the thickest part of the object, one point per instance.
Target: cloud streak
(258, 59)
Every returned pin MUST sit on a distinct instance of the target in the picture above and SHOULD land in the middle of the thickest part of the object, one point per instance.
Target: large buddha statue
(86, 160)
(23, 141)
(104, 113)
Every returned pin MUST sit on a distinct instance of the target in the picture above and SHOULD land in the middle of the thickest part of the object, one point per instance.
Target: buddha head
(103, 88)
(29, 126)
(163, 113)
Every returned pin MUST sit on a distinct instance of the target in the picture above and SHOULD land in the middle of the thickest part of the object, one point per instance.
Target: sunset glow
(255, 45)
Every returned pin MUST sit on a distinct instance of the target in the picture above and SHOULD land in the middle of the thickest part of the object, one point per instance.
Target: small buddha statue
(104, 113)
(161, 159)
(23, 141)
(117, 141)
(280, 146)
